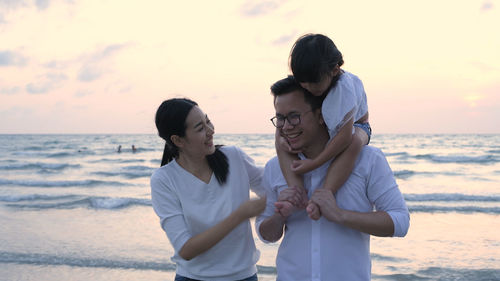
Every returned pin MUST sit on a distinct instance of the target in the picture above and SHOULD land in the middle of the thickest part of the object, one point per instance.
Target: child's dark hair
(289, 84)
(313, 56)
(171, 120)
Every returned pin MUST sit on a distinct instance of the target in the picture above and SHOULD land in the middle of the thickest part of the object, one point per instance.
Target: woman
(201, 194)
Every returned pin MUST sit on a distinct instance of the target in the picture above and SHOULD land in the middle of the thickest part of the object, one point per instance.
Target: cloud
(258, 8)
(42, 4)
(9, 91)
(285, 39)
(12, 4)
(487, 5)
(9, 58)
(83, 93)
(94, 65)
(484, 67)
(89, 73)
(55, 64)
(107, 52)
(46, 83)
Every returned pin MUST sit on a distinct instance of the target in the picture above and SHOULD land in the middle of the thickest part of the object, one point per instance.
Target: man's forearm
(375, 223)
(271, 229)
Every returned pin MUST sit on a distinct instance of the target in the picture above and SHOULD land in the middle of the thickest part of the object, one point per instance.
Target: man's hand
(327, 205)
(290, 200)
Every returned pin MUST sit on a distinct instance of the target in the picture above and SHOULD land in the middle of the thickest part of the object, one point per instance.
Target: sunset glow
(105, 66)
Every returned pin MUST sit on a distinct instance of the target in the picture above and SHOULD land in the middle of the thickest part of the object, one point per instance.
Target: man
(337, 246)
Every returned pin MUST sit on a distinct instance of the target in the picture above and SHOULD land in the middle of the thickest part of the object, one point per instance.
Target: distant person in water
(119, 149)
(201, 194)
(133, 148)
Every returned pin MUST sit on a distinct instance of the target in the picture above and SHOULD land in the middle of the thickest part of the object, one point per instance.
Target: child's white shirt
(345, 101)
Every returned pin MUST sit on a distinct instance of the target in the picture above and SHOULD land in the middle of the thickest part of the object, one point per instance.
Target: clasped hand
(322, 202)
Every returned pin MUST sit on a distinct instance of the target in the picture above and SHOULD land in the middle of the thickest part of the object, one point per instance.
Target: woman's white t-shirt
(188, 206)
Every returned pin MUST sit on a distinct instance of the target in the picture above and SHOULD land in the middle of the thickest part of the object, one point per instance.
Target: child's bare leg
(340, 169)
(286, 159)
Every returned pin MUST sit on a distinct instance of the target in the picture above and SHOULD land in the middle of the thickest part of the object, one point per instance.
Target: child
(315, 62)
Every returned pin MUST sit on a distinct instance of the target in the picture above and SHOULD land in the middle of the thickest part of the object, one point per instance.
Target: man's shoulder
(272, 164)
(370, 155)
(272, 172)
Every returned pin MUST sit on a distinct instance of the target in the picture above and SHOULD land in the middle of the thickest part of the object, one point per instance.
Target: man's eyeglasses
(292, 118)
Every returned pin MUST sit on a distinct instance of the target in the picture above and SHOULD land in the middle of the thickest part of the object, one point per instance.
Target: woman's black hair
(313, 56)
(171, 120)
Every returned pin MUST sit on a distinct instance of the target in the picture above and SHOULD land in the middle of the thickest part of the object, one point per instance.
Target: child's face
(319, 88)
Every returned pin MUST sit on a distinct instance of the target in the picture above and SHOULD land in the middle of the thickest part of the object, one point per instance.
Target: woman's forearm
(201, 242)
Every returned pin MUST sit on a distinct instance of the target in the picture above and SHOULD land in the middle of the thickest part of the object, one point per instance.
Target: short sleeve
(340, 105)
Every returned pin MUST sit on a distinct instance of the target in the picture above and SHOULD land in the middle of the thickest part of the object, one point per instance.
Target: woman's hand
(252, 207)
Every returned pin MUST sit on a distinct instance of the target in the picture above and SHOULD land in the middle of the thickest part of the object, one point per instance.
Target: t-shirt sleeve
(340, 105)
(168, 207)
(255, 173)
(384, 192)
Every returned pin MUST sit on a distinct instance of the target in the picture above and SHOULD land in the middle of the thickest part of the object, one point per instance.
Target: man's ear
(177, 141)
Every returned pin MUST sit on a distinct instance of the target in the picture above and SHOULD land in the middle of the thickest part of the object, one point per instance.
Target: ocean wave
(81, 183)
(33, 197)
(107, 203)
(443, 273)
(46, 259)
(453, 209)
(43, 166)
(403, 174)
(450, 197)
(130, 172)
(482, 159)
(401, 154)
(128, 175)
(110, 160)
(117, 203)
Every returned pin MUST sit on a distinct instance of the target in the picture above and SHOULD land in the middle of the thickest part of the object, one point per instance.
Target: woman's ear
(176, 140)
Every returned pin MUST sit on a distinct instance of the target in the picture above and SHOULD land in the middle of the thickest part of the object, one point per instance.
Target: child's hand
(285, 146)
(302, 166)
(327, 204)
(313, 211)
(295, 195)
(284, 208)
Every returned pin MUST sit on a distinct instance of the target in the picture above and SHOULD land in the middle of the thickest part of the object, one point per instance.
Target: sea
(73, 208)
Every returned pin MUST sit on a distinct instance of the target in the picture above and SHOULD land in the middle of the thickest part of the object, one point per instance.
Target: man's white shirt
(323, 250)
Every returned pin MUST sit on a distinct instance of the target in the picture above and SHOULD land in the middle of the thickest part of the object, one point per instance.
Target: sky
(104, 66)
